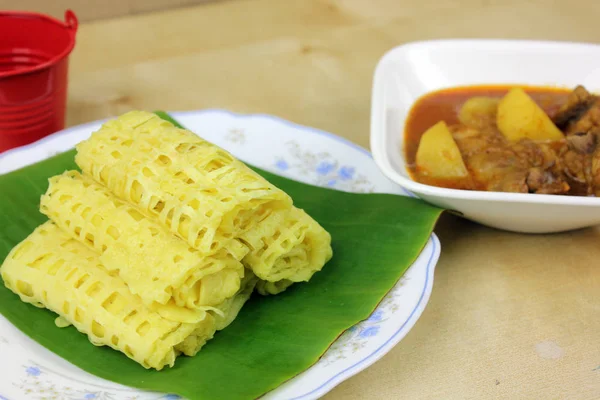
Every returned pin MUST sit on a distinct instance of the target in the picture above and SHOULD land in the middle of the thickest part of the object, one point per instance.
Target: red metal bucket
(34, 60)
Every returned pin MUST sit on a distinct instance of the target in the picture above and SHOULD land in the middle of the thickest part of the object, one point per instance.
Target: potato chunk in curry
(519, 117)
(479, 111)
(438, 155)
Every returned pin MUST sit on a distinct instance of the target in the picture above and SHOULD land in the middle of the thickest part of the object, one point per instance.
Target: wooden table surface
(511, 316)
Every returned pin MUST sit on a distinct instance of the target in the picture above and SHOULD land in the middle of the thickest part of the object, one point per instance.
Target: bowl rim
(378, 134)
(70, 25)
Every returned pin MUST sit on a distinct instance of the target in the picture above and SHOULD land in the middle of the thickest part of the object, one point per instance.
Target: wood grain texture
(91, 10)
(511, 316)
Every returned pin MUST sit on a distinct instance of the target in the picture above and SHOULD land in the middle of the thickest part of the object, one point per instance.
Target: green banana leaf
(376, 237)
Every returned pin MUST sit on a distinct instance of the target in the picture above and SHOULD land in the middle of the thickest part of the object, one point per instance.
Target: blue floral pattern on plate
(356, 338)
(321, 168)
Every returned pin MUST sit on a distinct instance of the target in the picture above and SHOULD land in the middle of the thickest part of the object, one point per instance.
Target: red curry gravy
(445, 105)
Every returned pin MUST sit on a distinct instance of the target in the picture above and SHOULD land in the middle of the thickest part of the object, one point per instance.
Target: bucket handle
(71, 20)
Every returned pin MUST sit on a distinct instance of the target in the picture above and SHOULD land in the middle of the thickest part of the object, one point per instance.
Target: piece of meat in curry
(512, 156)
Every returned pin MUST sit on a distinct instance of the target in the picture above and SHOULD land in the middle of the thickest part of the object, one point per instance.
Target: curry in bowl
(506, 139)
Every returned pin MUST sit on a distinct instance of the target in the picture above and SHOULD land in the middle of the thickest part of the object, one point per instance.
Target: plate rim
(389, 344)
(274, 118)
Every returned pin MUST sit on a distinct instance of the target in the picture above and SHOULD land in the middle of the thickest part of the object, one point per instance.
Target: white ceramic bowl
(407, 72)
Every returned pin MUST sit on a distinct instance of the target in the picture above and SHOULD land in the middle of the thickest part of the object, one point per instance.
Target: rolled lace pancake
(160, 241)
(50, 269)
(223, 316)
(267, 288)
(287, 246)
(170, 276)
(197, 190)
(231, 307)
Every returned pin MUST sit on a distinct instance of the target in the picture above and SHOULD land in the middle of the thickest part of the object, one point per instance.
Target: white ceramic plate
(407, 72)
(29, 371)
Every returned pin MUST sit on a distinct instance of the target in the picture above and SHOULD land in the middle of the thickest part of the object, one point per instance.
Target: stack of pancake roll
(159, 241)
